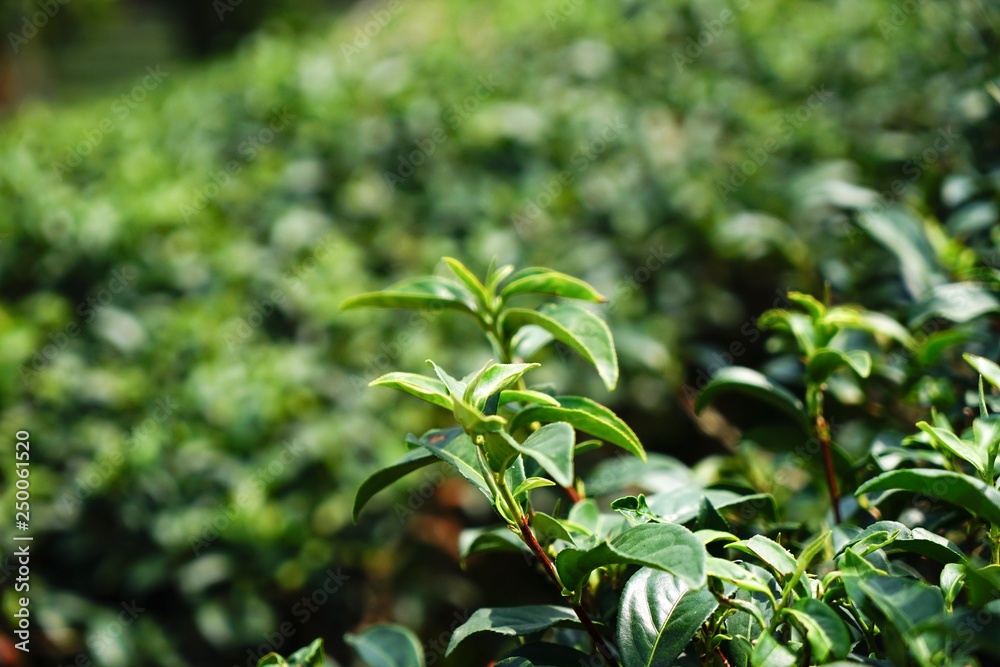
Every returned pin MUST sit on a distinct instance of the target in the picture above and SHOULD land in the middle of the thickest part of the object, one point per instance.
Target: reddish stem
(602, 647)
(823, 432)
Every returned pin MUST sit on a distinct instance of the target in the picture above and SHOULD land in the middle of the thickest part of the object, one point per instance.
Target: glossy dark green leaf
(964, 491)
(584, 415)
(428, 293)
(387, 646)
(826, 633)
(552, 447)
(513, 622)
(752, 383)
(472, 541)
(661, 546)
(412, 460)
(544, 281)
(769, 653)
(577, 328)
(905, 603)
(430, 389)
(918, 541)
(658, 615)
(738, 575)
(455, 448)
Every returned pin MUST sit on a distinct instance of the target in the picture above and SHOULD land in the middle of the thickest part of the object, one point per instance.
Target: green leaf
(552, 447)
(958, 302)
(967, 492)
(469, 279)
(430, 389)
(769, 653)
(412, 460)
(752, 383)
(805, 558)
(272, 660)
(527, 396)
(308, 656)
(663, 546)
(905, 603)
(826, 633)
(917, 541)
(808, 303)
(532, 483)
(429, 293)
(456, 388)
(575, 327)
(584, 415)
(545, 654)
(986, 431)
(826, 360)
(544, 281)
(658, 615)
(904, 236)
(472, 541)
(851, 317)
(455, 448)
(387, 646)
(769, 551)
(493, 379)
(513, 622)
(736, 574)
(952, 580)
(985, 367)
(963, 449)
(801, 326)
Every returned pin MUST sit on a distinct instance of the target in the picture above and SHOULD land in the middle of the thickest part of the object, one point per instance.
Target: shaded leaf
(752, 383)
(513, 622)
(967, 492)
(387, 646)
(412, 460)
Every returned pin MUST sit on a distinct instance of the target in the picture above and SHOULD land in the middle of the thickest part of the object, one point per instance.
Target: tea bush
(173, 267)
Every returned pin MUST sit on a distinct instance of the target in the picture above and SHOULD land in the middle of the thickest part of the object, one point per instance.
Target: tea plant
(681, 571)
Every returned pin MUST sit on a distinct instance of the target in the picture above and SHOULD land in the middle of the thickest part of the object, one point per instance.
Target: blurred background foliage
(186, 196)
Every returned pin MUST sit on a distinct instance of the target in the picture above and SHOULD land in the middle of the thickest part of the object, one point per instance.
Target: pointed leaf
(963, 449)
(826, 633)
(513, 622)
(387, 646)
(417, 294)
(527, 396)
(826, 360)
(412, 460)
(430, 389)
(477, 289)
(752, 383)
(988, 369)
(544, 281)
(769, 653)
(455, 448)
(493, 379)
(658, 615)
(964, 491)
(577, 328)
(662, 546)
(532, 483)
(584, 415)
(552, 447)
(769, 551)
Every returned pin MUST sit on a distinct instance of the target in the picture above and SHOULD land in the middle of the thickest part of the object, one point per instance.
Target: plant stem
(599, 643)
(823, 435)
